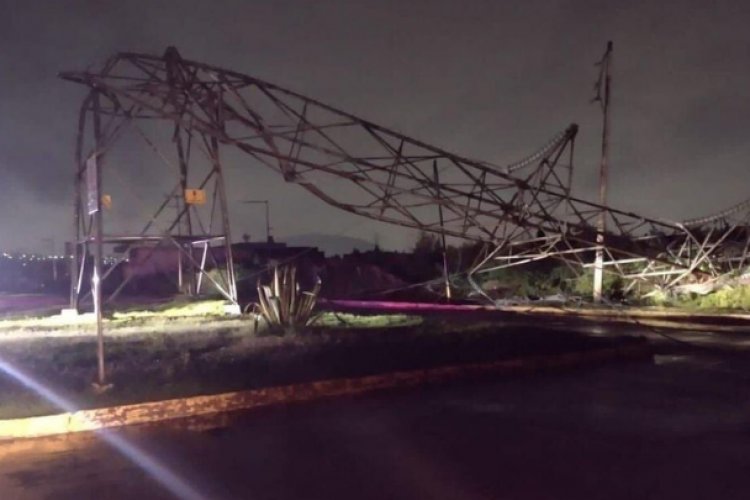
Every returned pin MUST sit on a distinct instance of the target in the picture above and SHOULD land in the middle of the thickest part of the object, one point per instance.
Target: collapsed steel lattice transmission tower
(200, 234)
(523, 212)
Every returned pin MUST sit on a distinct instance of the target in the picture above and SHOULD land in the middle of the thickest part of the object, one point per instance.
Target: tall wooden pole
(442, 234)
(604, 98)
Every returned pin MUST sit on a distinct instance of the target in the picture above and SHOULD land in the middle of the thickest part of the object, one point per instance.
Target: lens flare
(149, 464)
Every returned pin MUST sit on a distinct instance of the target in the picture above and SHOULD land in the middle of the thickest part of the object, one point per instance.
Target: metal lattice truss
(200, 241)
(718, 243)
(524, 211)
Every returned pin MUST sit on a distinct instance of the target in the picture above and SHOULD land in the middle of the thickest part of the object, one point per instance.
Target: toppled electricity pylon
(183, 224)
(524, 211)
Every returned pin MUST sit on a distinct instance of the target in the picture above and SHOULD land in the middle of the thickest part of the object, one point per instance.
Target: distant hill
(329, 244)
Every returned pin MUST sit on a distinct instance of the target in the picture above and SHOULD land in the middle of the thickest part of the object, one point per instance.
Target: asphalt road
(678, 428)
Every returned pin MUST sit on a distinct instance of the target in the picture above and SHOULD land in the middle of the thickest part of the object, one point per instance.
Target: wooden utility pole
(603, 88)
(446, 278)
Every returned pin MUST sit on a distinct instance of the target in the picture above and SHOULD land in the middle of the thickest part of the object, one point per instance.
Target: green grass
(728, 298)
(206, 308)
(170, 361)
(734, 298)
(347, 320)
(219, 356)
(155, 318)
(180, 314)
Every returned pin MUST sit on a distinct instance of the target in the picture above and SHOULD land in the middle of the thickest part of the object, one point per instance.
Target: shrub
(281, 303)
(730, 297)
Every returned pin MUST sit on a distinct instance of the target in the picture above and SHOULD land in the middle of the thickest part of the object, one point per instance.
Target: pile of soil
(346, 279)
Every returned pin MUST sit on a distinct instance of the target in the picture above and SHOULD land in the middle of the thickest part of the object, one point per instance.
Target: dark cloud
(491, 80)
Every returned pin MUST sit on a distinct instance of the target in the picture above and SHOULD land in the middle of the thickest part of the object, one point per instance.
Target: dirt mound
(345, 279)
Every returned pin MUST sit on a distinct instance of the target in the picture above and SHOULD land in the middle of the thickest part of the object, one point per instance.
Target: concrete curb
(173, 409)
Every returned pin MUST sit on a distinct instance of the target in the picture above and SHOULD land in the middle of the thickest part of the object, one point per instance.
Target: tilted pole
(603, 98)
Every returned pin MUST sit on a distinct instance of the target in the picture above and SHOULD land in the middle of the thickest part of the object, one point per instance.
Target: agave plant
(282, 304)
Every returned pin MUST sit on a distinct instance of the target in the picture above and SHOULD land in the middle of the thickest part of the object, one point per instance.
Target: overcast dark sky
(489, 79)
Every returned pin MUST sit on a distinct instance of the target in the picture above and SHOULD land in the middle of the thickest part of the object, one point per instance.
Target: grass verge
(208, 355)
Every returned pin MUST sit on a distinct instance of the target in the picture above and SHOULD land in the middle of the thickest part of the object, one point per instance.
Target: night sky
(487, 79)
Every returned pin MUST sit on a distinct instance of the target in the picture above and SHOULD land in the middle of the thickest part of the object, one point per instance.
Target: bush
(730, 297)
(612, 285)
(533, 281)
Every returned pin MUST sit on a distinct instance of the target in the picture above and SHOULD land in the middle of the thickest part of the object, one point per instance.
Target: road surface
(678, 428)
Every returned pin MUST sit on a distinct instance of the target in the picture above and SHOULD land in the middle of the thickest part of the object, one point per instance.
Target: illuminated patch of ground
(161, 318)
(348, 320)
(190, 350)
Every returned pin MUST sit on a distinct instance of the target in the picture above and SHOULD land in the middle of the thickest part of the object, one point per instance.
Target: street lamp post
(268, 215)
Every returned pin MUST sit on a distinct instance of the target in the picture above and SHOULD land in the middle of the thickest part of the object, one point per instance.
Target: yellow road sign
(107, 201)
(195, 196)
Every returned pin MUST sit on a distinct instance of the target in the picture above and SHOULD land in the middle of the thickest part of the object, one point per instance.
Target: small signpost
(106, 201)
